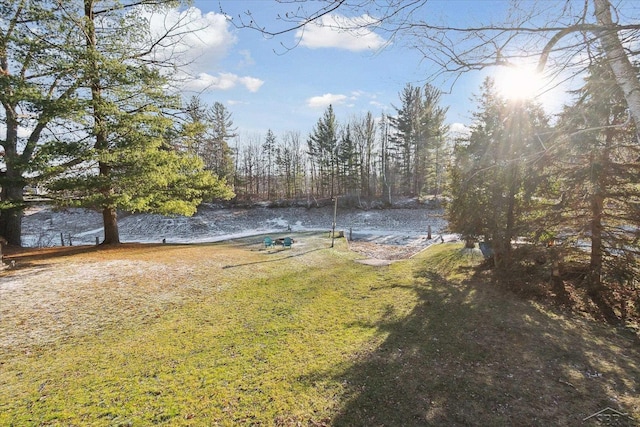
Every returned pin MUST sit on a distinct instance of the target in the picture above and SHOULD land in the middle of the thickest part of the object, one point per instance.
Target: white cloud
(337, 31)
(325, 100)
(459, 130)
(196, 39)
(247, 60)
(251, 83)
(379, 105)
(199, 44)
(223, 81)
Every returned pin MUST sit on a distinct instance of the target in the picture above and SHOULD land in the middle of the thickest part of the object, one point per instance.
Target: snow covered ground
(43, 226)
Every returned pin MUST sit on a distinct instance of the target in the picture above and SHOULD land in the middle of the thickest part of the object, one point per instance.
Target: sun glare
(518, 83)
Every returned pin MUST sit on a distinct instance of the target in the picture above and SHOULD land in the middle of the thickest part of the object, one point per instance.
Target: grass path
(233, 334)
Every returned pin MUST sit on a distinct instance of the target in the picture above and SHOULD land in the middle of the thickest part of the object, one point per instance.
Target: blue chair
(287, 241)
(268, 243)
(486, 248)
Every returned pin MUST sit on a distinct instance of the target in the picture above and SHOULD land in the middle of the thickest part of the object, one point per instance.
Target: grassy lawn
(235, 334)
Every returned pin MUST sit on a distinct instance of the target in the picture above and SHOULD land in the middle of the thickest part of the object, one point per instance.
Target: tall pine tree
(322, 149)
(494, 170)
(269, 152)
(131, 166)
(598, 181)
(217, 153)
(419, 134)
(39, 53)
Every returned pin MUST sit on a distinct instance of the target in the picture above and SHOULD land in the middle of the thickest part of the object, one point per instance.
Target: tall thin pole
(335, 212)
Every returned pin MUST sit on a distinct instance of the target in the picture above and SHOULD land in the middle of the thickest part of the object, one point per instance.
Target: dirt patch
(376, 262)
(380, 251)
(391, 248)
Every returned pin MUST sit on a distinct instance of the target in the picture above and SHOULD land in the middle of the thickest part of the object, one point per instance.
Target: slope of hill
(43, 226)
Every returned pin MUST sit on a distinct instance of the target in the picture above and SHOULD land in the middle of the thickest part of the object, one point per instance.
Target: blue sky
(266, 86)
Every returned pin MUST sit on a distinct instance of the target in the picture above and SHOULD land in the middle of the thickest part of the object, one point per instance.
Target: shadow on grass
(26, 255)
(29, 257)
(468, 355)
(292, 255)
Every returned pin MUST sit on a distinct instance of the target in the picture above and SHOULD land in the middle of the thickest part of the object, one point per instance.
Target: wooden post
(429, 232)
(556, 280)
(3, 242)
(555, 268)
(333, 228)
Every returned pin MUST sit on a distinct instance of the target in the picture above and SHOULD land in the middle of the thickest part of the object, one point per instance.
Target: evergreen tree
(205, 132)
(430, 142)
(494, 171)
(38, 82)
(348, 164)
(269, 152)
(598, 180)
(322, 145)
(195, 127)
(216, 152)
(131, 166)
(418, 137)
(405, 124)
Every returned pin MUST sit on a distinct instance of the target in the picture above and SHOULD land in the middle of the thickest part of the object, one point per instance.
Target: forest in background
(362, 159)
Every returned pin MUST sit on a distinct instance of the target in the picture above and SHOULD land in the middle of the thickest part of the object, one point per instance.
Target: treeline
(361, 159)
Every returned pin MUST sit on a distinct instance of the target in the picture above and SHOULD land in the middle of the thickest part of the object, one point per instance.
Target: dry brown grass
(55, 293)
(49, 298)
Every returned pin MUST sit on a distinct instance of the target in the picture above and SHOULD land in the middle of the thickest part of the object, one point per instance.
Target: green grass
(309, 337)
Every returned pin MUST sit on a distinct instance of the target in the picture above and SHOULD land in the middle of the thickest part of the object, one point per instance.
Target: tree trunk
(11, 225)
(12, 193)
(599, 159)
(595, 264)
(619, 62)
(12, 187)
(110, 221)
(109, 214)
(11, 218)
